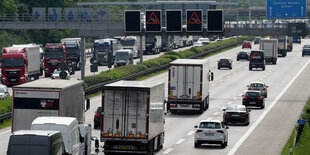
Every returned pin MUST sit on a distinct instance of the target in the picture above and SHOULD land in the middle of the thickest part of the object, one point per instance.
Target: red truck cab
(53, 55)
(14, 62)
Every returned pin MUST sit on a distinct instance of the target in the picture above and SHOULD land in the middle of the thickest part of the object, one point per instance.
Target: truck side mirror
(87, 104)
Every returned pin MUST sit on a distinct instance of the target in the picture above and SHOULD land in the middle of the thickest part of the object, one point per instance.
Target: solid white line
(229, 103)
(168, 150)
(216, 113)
(251, 129)
(5, 132)
(190, 133)
(180, 141)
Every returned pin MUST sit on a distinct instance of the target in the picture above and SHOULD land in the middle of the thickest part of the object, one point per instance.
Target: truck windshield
(101, 49)
(128, 42)
(122, 56)
(149, 39)
(13, 62)
(56, 53)
(72, 50)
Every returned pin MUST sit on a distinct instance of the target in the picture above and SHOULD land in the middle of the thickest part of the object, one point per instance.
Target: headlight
(3, 78)
(22, 78)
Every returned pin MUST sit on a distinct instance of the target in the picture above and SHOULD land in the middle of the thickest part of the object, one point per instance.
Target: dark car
(97, 118)
(297, 39)
(246, 44)
(224, 63)
(253, 98)
(242, 55)
(306, 50)
(257, 40)
(257, 60)
(234, 114)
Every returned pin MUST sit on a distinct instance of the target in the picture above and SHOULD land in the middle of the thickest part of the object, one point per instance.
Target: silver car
(211, 132)
(260, 86)
(4, 92)
(56, 75)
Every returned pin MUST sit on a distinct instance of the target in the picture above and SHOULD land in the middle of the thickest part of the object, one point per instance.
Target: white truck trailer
(46, 97)
(270, 48)
(188, 85)
(132, 43)
(132, 117)
(282, 44)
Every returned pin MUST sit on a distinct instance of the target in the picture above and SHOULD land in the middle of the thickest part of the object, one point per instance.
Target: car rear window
(224, 60)
(243, 53)
(307, 46)
(99, 109)
(235, 108)
(210, 125)
(252, 94)
(256, 85)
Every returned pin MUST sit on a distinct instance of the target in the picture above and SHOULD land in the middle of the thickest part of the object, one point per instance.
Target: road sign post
(194, 20)
(132, 21)
(174, 20)
(153, 21)
(286, 9)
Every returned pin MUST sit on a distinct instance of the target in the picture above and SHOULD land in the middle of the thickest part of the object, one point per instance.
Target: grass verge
(150, 75)
(6, 123)
(6, 105)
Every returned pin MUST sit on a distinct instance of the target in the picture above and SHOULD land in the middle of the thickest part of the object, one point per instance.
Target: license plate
(252, 102)
(125, 147)
(235, 115)
(223, 63)
(209, 134)
(13, 79)
(184, 105)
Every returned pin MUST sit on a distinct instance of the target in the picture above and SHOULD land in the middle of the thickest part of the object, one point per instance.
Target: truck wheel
(92, 60)
(150, 147)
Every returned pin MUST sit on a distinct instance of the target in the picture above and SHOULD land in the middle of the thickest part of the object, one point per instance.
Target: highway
(269, 128)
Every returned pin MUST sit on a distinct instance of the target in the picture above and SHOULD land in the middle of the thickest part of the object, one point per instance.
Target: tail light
(220, 131)
(172, 105)
(97, 115)
(249, 88)
(197, 106)
(226, 114)
(243, 114)
(260, 98)
(198, 131)
(264, 89)
(245, 98)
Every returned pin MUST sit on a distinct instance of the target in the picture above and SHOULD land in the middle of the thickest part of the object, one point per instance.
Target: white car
(204, 41)
(56, 73)
(260, 86)
(211, 132)
(197, 44)
(4, 92)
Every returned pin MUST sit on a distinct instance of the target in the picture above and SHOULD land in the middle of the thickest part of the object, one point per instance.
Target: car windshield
(128, 42)
(2, 90)
(257, 39)
(224, 60)
(13, 62)
(210, 125)
(53, 53)
(122, 55)
(72, 50)
(307, 46)
(246, 42)
(256, 85)
(236, 108)
(252, 94)
(101, 48)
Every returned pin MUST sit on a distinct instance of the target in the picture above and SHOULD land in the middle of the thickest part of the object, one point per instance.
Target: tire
(263, 68)
(237, 59)
(230, 68)
(223, 145)
(150, 147)
(196, 145)
(250, 68)
(263, 106)
(158, 143)
(247, 123)
(218, 68)
(92, 60)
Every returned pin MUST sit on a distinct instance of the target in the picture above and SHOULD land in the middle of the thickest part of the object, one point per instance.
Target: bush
(6, 105)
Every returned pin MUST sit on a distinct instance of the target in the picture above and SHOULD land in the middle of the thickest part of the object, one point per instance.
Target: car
(56, 74)
(246, 44)
(212, 38)
(257, 40)
(97, 118)
(197, 44)
(257, 60)
(259, 86)
(4, 92)
(224, 63)
(297, 39)
(253, 98)
(211, 132)
(243, 55)
(204, 41)
(236, 114)
(305, 50)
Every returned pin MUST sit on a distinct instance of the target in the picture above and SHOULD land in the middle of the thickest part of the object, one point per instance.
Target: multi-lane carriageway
(269, 129)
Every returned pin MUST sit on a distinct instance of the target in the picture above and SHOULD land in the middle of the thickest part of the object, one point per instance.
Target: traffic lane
(254, 112)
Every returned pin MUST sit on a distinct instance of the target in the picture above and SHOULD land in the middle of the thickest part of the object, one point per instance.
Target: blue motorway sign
(286, 9)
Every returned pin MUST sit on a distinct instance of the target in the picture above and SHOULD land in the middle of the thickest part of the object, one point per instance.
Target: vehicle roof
(55, 120)
(133, 84)
(258, 82)
(237, 106)
(49, 83)
(36, 132)
(217, 121)
(253, 91)
(188, 62)
(123, 50)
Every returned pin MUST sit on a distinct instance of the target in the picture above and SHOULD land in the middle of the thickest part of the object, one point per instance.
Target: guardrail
(5, 116)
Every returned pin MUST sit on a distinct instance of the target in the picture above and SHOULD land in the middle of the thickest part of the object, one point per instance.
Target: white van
(69, 128)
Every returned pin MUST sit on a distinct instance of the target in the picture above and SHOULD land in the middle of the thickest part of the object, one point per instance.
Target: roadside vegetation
(303, 145)
(6, 105)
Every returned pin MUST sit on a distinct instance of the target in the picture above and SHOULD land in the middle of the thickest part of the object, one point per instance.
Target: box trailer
(132, 117)
(188, 85)
(270, 48)
(46, 97)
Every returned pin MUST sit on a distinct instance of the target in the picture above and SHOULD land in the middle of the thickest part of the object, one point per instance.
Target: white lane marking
(180, 141)
(216, 113)
(5, 132)
(251, 129)
(190, 133)
(229, 103)
(235, 98)
(168, 150)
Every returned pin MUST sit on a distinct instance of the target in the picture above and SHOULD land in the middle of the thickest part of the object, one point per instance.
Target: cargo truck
(132, 43)
(152, 45)
(188, 85)
(133, 117)
(101, 49)
(46, 97)
(20, 64)
(282, 44)
(270, 48)
(74, 51)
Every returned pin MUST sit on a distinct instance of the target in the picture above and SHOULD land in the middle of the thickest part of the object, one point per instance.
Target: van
(257, 60)
(123, 57)
(31, 142)
(69, 128)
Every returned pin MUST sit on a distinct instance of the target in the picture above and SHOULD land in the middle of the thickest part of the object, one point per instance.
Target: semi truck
(178, 41)
(54, 55)
(282, 44)
(101, 49)
(188, 85)
(46, 97)
(74, 51)
(20, 64)
(152, 45)
(132, 43)
(133, 117)
(270, 48)
(167, 43)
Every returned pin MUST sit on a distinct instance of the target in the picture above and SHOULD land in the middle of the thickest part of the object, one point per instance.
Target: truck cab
(131, 43)
(73, 50)
(123, 57)
(100, 50)
(53, 55)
